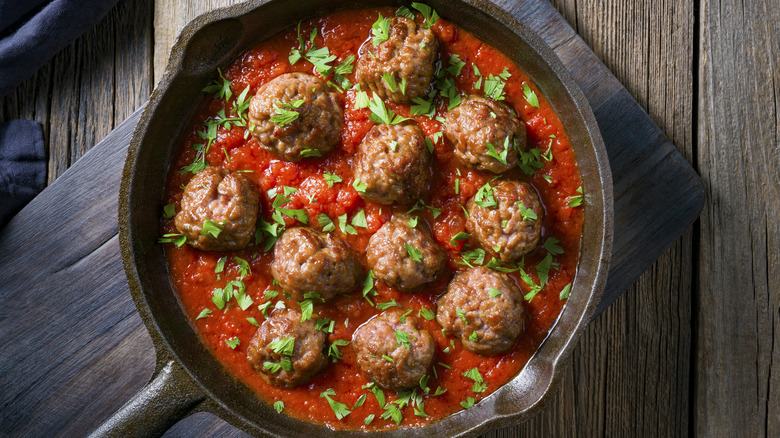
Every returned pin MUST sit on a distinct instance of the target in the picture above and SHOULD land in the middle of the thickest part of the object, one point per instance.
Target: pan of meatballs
(392, 218)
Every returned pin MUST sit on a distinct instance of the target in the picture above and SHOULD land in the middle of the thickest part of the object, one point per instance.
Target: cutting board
(73, 346)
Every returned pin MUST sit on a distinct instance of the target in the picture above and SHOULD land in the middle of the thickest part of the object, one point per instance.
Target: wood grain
(700, 322)
(61, 339)
(737, 348)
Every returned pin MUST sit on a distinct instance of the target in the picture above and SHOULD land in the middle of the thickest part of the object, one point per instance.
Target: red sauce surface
(192, 271)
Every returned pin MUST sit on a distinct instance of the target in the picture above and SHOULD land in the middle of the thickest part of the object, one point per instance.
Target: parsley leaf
(414, 253)
(325, 222)
(333, 350)
(233, 343)
(426, 313)
(169, 211)
(175, 238)
(565, 292)
(527, 213)
(551, 245)
(530, 96)
(284, 346)
(428, 14)
(460, 237)
(204, 313)
(344, 226)
(479, 383)
(279, 406)
(284, 114)
(338, 408)
(576, 200)
(331, 178)
(380, 30)
(359, 220)
(494, 292)
(211, 228)
(307, 308)
(493, 153)
(469, 402)
(403, 338)
(387, 305)
(484, 197)
(381, 114)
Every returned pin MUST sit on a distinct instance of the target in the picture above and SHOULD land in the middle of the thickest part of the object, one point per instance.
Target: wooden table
(691, 347)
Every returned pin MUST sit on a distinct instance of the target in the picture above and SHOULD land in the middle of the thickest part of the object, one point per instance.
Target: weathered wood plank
(737, 356)
(68, 335)
(593, 399)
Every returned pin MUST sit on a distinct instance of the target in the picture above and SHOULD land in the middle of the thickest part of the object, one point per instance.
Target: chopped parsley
(359, 186)
(233, 343)
(331, 178)
(387, 305)
(380, 30)
(344, 226)
(368, 286)
(426, 313)
(462, 315)
(501, 157)
(479, 383)
(414, 253)
(284, 114)
(469, 402)
(381, 114)
(576, 200)
(169, 211)
(175, 238)
(484, 197)
(325, 222)
(428, 13)
(403, 338)
(527, 213)
(283, 346)
(338, 408)
(279, 406)
(565, 292)
(211, 228)
(204, 313)
(253, 321)
(460, 237)
(551, 245)
(333, 350)
(359, 220)
(530, 96)
(307, 308)
(494, 85)
(494, 292)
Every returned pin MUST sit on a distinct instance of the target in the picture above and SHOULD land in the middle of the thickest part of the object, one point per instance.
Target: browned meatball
(316, 127)
(394, 164)
(230, 201)
(306, 260)
(511, 228)
(483, 308)
(285, 351)
(392, 351)
(479, 121)
(404, 257)
(408, 54)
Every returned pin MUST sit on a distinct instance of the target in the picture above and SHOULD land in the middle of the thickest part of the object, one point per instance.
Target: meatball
(408, 54)
(483, 308)
(403, 257)
(513, 227)
(225, 203)
(394, 164)
(479, 124)
(316, 128)
(392, 351)
(285, 351)
(306, 260)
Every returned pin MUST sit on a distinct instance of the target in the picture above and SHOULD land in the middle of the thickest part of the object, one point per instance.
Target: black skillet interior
(214, 40)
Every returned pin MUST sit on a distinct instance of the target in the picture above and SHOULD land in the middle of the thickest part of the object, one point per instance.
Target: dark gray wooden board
(73, 346)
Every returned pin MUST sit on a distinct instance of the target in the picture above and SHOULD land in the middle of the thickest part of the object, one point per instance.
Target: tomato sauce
(193, 272)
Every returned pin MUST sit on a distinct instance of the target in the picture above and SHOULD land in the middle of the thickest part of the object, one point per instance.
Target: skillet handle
(165, 400)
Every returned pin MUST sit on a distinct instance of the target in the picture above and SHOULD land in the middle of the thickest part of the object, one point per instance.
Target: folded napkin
(22, 165)
(32, 31)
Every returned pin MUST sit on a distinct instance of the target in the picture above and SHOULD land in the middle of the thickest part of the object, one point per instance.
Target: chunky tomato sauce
(193, 272)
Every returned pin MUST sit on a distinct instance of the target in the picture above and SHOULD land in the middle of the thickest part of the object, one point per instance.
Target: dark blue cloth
(22, 165)
(33, 31)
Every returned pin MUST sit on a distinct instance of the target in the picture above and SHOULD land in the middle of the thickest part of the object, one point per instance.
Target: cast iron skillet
(187, 377)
